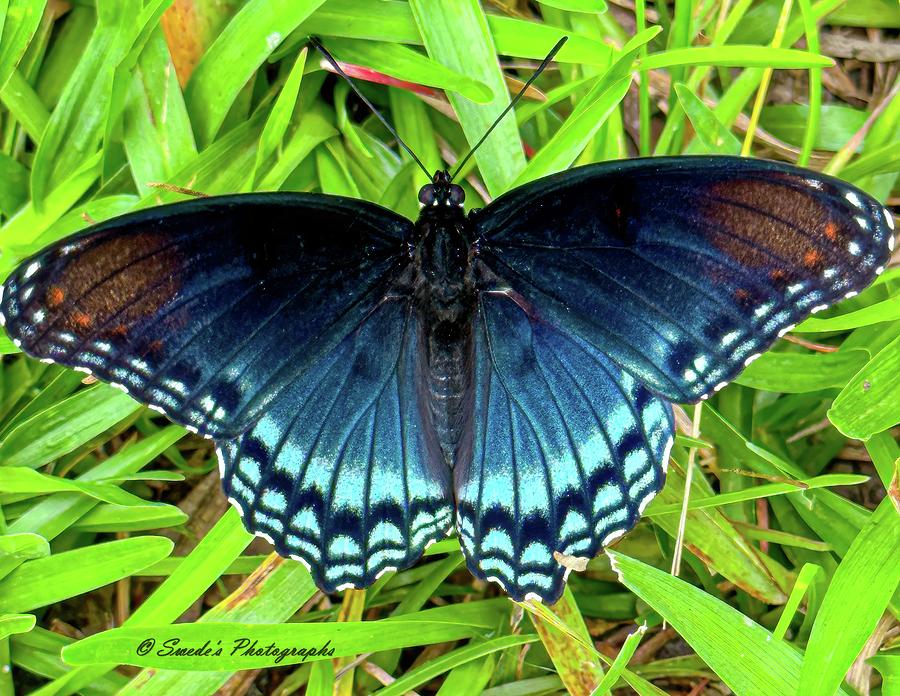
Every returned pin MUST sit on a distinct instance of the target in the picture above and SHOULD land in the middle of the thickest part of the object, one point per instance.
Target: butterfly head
(441, 192)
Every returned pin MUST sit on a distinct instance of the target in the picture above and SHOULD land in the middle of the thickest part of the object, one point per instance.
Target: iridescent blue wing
(565, 451)
(683, 269)
(271, 323)
(341, 472)
(206, 309)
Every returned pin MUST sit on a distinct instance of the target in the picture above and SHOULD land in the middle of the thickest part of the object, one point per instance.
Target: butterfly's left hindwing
(567, 450)
(340, 472)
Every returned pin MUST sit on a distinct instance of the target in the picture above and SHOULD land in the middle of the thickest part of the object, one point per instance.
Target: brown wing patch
(814, 260)
(112, 285)
(780, 278)
(767, 222)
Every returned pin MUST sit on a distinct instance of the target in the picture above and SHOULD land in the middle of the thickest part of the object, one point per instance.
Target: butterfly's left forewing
(567, 450)
(206, 309)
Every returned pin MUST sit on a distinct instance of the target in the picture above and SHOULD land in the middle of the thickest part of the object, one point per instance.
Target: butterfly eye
(427, 195)
(457, 195)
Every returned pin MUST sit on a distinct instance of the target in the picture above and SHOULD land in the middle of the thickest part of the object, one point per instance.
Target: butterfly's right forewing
(684, 269)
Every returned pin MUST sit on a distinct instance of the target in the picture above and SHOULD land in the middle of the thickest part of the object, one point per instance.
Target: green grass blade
(562, 149)
(870, 401)
(626, 652)
(24, 547)
(52, 579)
(848, 616)
(66, 426)
(740, 651)
(715, 135)
(804, 578)
(15, 623)
(156, 132)
(250, 37)
(342, 639)
(457, 35)
(18, 24)
(109, 519)
(193, 575)
(512, 36)
(756, 492)
(271, 594)
(793, 373)
(886, 310)
(26, 225)
(432, 668)
(79, 121)
(20, 479)
(280, 116)
(815, 84)
(566, 639)
(734, 56)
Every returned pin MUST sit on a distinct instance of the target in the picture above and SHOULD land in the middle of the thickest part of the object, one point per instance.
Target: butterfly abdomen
(445, 300)
(448, 358)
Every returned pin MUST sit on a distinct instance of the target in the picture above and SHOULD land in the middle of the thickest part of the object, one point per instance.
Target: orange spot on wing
(120, 331)
(81, 320)
(55, 296)
(812, 258)
(831, 231)
(779, 278)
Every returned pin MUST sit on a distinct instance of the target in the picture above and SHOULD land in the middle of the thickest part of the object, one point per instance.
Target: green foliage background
(791, 564)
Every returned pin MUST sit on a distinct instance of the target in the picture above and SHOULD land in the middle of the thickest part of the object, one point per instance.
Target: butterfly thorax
(445, 301)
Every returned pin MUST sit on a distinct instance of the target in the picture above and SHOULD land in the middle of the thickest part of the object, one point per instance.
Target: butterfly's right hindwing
(567, 451)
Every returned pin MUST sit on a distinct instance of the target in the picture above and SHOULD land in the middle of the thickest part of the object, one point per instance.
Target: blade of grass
(766, 77)
(193, 576)
(815, 84)
(245, 43)
(18, 24)
(280, 116)
(457, 35)
(571, 650)
(52, 579)
(626, 652)
(870, 402)
(740, 651)
(65, 426)
(156, 132)
(79, 121)
(848, 616)
(804, 578)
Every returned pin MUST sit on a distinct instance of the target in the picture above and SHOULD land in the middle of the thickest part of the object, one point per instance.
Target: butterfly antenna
(515, 99)
(340, 71)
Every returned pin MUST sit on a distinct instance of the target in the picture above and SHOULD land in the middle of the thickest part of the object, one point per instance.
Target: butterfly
(373, 383)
